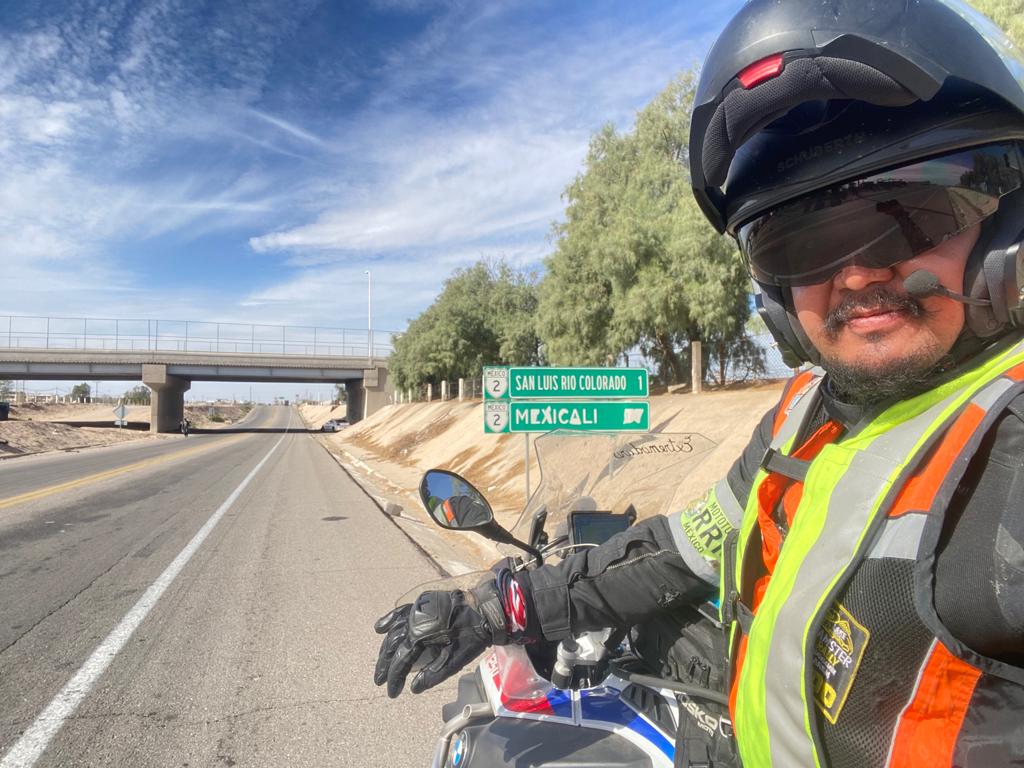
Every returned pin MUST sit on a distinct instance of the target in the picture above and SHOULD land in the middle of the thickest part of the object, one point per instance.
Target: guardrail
(109, 334)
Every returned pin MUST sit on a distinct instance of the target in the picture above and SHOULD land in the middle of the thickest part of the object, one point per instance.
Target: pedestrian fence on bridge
(102, 334)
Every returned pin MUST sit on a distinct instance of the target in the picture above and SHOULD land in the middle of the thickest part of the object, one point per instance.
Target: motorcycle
(591, 700)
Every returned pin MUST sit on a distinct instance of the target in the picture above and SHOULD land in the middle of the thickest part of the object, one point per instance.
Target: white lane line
(27, 750)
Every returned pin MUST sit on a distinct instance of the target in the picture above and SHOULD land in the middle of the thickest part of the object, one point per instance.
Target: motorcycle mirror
(453, 502)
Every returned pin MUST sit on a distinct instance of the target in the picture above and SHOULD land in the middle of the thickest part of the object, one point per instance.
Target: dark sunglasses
(880, 220)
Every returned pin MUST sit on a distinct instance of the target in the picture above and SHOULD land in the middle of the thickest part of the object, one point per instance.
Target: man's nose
(857, 277)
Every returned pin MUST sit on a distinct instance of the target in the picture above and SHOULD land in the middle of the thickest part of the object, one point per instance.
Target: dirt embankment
(39, 427)
(403, 441)
(214, 416)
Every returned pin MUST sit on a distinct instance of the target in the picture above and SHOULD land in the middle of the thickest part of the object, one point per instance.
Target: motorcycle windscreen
(588, 471)
(609, 472)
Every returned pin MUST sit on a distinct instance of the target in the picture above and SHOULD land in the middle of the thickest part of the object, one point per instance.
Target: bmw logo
(460, 747)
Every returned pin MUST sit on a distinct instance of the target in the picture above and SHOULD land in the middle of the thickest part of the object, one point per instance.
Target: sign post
(120, 412)
(526, 465)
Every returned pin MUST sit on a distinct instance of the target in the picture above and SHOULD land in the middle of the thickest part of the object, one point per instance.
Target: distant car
(334, 425)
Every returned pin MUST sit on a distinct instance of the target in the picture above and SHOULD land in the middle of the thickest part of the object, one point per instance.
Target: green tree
(6, 389)
(80, 391)
(635, 262)
(139, 394)
(484, 315)
(1008, 14)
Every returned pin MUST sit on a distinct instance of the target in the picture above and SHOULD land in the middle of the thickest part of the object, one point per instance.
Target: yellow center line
(48, 491)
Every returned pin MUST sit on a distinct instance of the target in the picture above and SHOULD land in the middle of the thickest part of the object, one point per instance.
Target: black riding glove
(448, 629)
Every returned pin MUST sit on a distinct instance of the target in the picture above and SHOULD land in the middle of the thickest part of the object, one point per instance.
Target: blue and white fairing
(514, 690)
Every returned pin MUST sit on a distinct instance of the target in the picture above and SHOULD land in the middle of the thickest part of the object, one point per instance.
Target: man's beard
(900, 379)
(895, 379)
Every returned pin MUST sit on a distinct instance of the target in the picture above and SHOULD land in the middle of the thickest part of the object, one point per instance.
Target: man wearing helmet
(869, 159)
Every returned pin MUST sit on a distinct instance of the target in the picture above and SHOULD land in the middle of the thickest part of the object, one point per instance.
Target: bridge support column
(167, 403)
(377, 390)
(354, 397)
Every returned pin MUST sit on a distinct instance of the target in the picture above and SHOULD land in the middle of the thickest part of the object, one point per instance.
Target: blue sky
(247, 161)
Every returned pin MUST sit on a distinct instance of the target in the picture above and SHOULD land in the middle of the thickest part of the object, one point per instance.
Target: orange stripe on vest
(929, 727)
(919, 491)
(778, 488)
(1016, 373)
(741, 655)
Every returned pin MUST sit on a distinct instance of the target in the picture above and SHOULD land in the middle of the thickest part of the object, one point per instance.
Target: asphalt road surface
(201, 601)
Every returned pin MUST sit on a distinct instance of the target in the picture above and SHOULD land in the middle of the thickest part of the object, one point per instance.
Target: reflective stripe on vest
(849, 488)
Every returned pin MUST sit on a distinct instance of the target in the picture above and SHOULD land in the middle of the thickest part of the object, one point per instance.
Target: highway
(201, 601)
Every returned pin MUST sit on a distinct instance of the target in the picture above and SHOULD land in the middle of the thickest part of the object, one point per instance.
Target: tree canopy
(1008, 14)
(635, 266)
(140, 394)
(635, 262)
(484, 315)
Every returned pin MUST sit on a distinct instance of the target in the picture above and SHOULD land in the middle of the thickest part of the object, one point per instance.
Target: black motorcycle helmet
(805, 106)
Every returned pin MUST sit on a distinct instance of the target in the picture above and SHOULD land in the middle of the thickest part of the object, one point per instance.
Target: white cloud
(469, 135)
(497, 166)
(81, 116)
(484, 180)
(448, 187)
(335, 294)
(289, 128)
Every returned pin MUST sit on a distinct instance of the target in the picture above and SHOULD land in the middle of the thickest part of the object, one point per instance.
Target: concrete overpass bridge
(167, 356)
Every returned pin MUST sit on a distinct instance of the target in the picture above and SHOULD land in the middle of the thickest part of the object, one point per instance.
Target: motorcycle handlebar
(695, 691)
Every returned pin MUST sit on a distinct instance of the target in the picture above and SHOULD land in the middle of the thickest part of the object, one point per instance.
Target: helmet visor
(880, 220)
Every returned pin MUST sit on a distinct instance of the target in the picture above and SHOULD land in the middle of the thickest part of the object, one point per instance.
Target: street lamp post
(369, 312)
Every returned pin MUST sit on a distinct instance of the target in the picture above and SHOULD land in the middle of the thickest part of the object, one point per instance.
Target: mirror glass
(453, 502)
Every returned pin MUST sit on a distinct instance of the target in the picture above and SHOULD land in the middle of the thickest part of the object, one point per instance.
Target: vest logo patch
(706, 526)
(838, 651)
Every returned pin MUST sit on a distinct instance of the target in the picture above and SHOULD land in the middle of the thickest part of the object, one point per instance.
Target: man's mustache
(878, 299)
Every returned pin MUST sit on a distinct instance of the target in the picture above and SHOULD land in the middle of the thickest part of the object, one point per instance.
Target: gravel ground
(39, 427)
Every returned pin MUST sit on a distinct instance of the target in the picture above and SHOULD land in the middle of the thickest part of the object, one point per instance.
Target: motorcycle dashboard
(596, 527)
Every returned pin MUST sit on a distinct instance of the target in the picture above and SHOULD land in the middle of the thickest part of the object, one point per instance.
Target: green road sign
(546, 415)
(561, 383)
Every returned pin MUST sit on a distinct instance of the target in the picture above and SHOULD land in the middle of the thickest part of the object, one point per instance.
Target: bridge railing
(103, 334)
